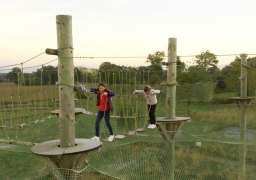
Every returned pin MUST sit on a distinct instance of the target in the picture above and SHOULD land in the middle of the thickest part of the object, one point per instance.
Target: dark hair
(146, 88)
(101, 84)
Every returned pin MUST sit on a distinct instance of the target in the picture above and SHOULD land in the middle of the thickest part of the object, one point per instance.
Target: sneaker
(149, 126)
(95, 138)
(153, 126)
(111, 138)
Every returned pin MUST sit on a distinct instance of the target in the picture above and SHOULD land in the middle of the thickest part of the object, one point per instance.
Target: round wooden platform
(49, 148)
(120, 136)
(140, 130)
(176, 119)
(131, 133)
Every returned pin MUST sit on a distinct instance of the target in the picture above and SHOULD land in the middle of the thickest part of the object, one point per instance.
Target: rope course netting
(206, 148)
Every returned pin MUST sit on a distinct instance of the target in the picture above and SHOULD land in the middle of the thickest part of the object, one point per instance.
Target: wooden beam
(163, 133)
(16, 142)
(51, 51)
(55, 169)
(80, 161)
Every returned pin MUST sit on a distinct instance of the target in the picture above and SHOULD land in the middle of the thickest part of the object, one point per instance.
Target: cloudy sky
(126, 28)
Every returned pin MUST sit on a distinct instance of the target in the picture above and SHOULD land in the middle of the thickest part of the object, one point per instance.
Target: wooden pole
(66, 86)
(65, 150)
(171, 78)
(243, 106)
(243, 82)
(171, 97)
(170, 125)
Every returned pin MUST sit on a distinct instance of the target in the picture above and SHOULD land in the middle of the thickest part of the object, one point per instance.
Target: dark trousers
(100, 115)
(151, 113)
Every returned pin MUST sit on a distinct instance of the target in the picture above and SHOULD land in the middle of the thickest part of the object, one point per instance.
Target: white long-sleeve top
(151, 97)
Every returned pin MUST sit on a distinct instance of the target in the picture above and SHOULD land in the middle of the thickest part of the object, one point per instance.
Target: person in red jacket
(105, 106)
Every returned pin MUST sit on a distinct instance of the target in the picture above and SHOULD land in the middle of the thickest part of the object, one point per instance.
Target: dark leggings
(151, 113)
(100, 115)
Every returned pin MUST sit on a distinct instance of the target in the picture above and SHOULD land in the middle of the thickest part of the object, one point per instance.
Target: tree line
(204, 69)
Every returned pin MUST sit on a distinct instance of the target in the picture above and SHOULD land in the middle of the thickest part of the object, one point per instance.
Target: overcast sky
(121, 28)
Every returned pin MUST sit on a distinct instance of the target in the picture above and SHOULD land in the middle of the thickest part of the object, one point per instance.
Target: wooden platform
(50, 148)
(243, 101)
(140, 130)
(241, 98)
(131, 133)
(76, 110)
(175, 120)
(170, 128)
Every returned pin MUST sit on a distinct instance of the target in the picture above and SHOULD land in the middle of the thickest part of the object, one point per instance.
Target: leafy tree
(181, 66)
(211, 70)
(201, 72)
(221, 85)
(194, 74)
(94, 74)
(47, 75)
(145, 73)
(232, 72)
(107, 70)
(155, 69)
(156, 74)
(107, 66)
(181, 70)
(251, 74)
(78, 74)
(156, 58)
(13, 75)
(251, 61)
(206, 59)
(126, 75)
(216, 76)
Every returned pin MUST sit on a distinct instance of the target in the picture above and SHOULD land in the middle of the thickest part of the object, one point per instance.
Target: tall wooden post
(243, 78)
(170, 125)
(171, 78)
(171, 96)
(243, 106)
(66, 153)
(66, 86)
(243, 102)
(66, 80)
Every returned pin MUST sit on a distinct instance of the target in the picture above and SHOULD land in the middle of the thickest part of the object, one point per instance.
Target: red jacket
(105, 103)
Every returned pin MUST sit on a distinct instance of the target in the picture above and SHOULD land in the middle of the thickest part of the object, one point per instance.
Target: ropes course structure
(130, 156)
(202, 148)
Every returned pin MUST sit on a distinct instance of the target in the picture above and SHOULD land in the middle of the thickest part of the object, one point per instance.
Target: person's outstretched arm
(138, 92)
(95, 90)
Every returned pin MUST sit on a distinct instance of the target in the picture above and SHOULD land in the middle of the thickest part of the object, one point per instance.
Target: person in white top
(150, 96)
